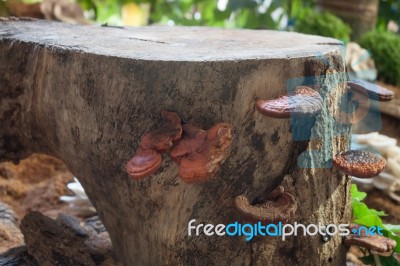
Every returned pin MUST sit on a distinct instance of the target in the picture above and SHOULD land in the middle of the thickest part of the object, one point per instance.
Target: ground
(35, 184)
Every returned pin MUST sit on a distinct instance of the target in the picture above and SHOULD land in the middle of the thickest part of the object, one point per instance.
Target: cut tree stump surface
(162, 43)
(87, 94)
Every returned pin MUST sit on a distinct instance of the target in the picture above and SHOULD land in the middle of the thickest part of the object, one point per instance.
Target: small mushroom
(375, 243)
(200, 153)
(279, 206)
(147, 158)
(359, 163)
(393, 165)
(144, 163)
(392, 152)
(364, 184)
(384, 180)
(364, 138)
(393, 190)
(375, 91)
(304, 101)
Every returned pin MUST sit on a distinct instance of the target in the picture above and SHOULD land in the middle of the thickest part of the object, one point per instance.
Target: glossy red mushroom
(200, 153)
(163, 138)
(147, 158)
(374, 90)
(304, 101)
(279, 206)
(359, 163)
(144, 163)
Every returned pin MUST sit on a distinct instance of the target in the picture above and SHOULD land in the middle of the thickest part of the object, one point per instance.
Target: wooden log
(87, 94)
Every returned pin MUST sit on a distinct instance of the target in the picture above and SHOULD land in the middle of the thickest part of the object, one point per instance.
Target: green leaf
(385, 261)
(369, 220)
(395, 228)
(360, 209)
(393, 236)
(355, 194)
(368, 260)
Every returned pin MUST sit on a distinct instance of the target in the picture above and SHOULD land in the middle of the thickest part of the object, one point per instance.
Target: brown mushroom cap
(359, 163)
(193, 139)
(280, 207)
(143, 163)
(200, 153)
(374, 90)
(162, 139)
(304, 101)
(147, 158)
(376, 243)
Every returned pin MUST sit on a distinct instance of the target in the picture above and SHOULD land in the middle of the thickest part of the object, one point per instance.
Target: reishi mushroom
(200, 153)
(279, 206)
(147, 158)
(359, 163)
(304, 101)
(374, 243)
(376, 91)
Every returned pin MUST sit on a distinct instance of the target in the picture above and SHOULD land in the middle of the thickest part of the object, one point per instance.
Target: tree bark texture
(87, 94)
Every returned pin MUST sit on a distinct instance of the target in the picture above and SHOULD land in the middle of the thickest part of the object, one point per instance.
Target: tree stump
(87, 94)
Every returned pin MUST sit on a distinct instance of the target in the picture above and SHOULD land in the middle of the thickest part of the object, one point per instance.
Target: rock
(64, 242)
(18, 256)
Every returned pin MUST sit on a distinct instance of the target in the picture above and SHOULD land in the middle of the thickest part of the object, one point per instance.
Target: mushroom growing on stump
(279, 206)
(304, 101)
(374, 243)
(374, 91)
(200, 153)
(147, 158)
(359, 163)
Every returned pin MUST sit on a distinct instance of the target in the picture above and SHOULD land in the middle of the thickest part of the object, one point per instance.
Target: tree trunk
(361, 15)
(88, 94)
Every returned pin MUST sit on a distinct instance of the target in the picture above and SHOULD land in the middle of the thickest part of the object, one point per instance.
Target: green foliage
(388, 10)
(370, 217)
(236, 14)
(251, 14)
(324, 24)
(385, 50)
(385, 261)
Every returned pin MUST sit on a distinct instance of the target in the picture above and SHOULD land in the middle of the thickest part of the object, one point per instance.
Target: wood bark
(87, 94)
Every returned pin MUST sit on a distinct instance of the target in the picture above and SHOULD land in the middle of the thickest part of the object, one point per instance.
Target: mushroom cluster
(148, 159)
(199, 153)
(389, 180)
